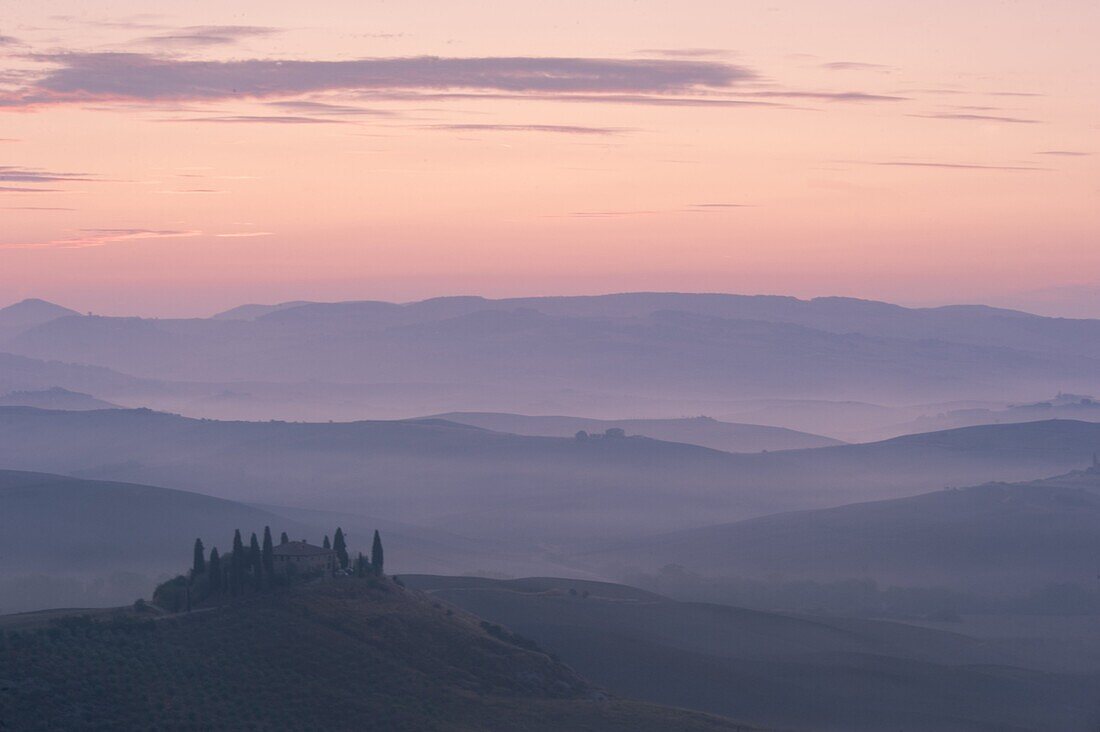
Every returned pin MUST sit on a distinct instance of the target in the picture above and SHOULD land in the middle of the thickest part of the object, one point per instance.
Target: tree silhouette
(284, 539)
(215, 573)
(268, 553)
(340, 547)
(255, 560)
(360, 565)
(198, 566)
(376, 556)
(326, 543)
(237, 564)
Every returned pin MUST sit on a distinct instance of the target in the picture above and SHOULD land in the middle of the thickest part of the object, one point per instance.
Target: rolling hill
(1000, 538)
(345, 655)
(779, 670)
(702, 431)
(65, 540)
(26, 314)
(527, 489)
(54, 398)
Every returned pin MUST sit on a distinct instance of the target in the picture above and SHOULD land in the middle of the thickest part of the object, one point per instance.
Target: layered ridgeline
(605, 355)
(555, 491)
(1035, 542)
(702, 431)
(782, 670)
(345, 654)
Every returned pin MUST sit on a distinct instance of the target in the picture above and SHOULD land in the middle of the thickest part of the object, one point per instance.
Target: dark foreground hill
(1000, 538)
(793, 672)
(344, 655)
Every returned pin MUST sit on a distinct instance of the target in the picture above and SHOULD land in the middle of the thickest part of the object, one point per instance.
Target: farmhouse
(301, 556)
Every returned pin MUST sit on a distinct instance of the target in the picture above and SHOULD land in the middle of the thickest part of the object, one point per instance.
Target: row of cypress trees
(254, 567)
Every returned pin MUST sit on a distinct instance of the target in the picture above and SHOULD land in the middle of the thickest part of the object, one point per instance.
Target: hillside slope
(343, 655)
(792, 672)
(71, 541)
(998, 537)
(26, 314)
(54, 398)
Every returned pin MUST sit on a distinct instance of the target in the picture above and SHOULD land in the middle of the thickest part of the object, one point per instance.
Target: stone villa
(301, 556)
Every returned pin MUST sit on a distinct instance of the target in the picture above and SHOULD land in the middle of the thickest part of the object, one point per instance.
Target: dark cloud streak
(126, 77)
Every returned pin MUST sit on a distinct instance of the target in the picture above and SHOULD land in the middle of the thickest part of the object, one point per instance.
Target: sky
(181, 162)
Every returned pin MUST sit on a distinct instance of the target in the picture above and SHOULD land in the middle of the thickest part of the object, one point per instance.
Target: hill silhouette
(477, 482)
(793, 672)
(70, 541)
(994, 538)
(702, 431)
(54, 398)
(666, 345)
(342, 655)
(26, 314)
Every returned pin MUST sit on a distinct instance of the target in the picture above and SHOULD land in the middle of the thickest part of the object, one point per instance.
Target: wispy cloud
(558, 129)
(101, 237)
(244, 234)
(278, 119)
(1065, 153)
(327, 108)
(824, 96)
(956, 166)
(698, 100)
(605, 214)
(9, 41)
(39, 208)
(980, 118)
(15, 174)
(855, 66)
(207, 35)
(684, 52)
(27, 189)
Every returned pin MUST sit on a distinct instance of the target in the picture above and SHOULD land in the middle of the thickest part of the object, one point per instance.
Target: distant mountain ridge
(666, 344)
(26, 314)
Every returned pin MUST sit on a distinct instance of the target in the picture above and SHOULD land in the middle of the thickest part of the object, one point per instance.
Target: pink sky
(216, 153)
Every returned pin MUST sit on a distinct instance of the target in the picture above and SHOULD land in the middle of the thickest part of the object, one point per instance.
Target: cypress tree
(199, 564)
(326, 543)
(340, 547)
(268, 553)
(284, 539)
(215, 570)
(236, 567)
(255, 560)
(360, 566)
(376, 556)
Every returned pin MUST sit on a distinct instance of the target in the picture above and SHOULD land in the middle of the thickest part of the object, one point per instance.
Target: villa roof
(300, 549)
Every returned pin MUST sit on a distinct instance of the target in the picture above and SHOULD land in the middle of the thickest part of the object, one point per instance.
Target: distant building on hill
(301, 556)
